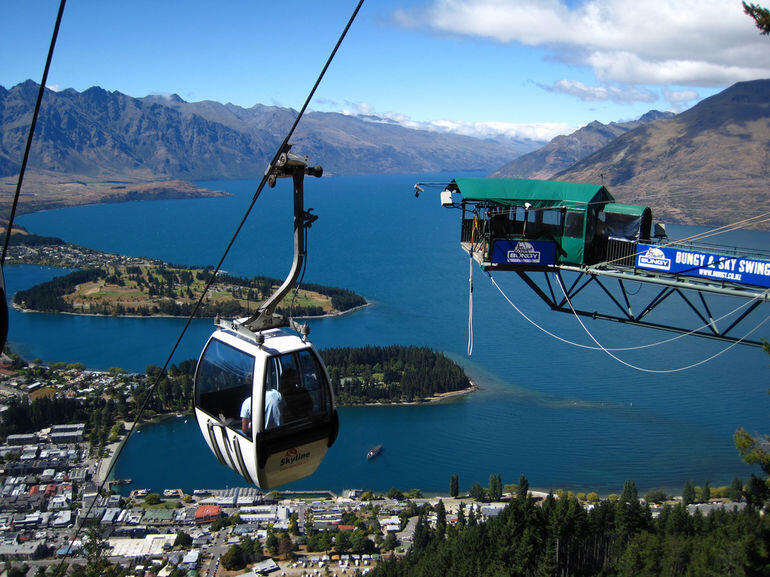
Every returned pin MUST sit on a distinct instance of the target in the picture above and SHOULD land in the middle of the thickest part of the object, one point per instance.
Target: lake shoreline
(162, 316)
(432, 400)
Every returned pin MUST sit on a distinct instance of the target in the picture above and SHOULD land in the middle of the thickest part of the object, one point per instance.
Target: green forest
(559, 537)
(118, 401)
(391, 374)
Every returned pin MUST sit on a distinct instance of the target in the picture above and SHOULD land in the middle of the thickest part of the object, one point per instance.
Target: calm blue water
(565, 417)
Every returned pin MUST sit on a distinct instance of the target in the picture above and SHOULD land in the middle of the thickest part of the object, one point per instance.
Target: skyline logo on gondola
(294, 457)
(655, 258)
(524, 252)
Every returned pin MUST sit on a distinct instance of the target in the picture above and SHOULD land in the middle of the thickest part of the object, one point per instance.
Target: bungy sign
(735, 269)
(524, 252)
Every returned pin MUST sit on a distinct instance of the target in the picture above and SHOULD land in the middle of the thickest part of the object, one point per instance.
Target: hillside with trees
(614, 538)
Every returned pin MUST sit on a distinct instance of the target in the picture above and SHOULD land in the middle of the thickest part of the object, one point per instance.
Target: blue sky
(527, 69)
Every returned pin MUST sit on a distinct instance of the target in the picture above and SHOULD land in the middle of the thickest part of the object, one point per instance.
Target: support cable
(214, 273)
(599, 348)
(656, 371)
(470, 287)
(470, 309)
(27, 148)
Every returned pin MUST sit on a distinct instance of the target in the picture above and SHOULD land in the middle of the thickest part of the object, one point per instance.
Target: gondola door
(299, 420)
(224, 393)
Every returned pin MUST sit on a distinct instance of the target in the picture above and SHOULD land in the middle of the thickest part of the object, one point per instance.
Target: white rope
(470, 302)
(599, 348)
(657, 371)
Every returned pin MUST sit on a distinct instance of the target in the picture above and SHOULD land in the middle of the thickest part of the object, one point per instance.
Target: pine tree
(440, 518)
(760, 15)
(454, 485)
(522, 491)
(688, 493)
(736, 489)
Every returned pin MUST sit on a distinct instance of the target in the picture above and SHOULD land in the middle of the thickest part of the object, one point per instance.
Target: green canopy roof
(539, 193)
(631, 209)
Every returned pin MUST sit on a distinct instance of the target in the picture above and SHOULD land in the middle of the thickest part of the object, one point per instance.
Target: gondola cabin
(264, 404)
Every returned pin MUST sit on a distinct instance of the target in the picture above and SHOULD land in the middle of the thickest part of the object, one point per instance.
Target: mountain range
(565, 150)
(709, 164)
(97, 132)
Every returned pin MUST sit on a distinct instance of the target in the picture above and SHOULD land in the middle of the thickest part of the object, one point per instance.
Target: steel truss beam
(621, 309)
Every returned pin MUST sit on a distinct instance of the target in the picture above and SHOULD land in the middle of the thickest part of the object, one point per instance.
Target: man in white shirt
(246, 417)
(273, 407)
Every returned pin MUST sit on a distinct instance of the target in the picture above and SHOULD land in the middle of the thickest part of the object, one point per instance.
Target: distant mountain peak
(654, 115)
(165, 98)
(684, 165)
(565, 150)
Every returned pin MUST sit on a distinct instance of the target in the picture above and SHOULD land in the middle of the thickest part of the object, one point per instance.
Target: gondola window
(225, 381)
(314, 379)
(295, 389)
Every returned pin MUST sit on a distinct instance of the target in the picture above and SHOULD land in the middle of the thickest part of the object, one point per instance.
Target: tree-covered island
(393, 374)
(108, 284)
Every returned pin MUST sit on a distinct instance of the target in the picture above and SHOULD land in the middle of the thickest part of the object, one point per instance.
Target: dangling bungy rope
(214, 273)
(634, 348)
(657, 371)
(470, 285)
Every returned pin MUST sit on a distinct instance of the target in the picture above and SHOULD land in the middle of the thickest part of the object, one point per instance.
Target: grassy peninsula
(156, 288)
(115, 285)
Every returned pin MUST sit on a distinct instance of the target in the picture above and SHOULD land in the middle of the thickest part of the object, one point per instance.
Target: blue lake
(564, 416)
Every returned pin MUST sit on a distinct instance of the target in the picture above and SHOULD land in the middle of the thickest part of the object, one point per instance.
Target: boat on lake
(373, 452)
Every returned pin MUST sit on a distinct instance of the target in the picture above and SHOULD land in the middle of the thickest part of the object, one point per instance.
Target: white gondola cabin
(266, 410)
(263, 399)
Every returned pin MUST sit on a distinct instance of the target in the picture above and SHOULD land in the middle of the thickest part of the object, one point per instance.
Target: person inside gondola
(274, 404)
(246, 416)
(245, 412)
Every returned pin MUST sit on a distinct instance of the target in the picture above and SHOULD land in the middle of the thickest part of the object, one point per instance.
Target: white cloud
(53, 87)
(680, 96)
(680, 99)
(353, 108)
(542, 131)
(655, 42)
(622, 94)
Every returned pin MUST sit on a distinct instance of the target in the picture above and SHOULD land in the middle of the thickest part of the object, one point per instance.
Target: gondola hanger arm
(296, 167)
